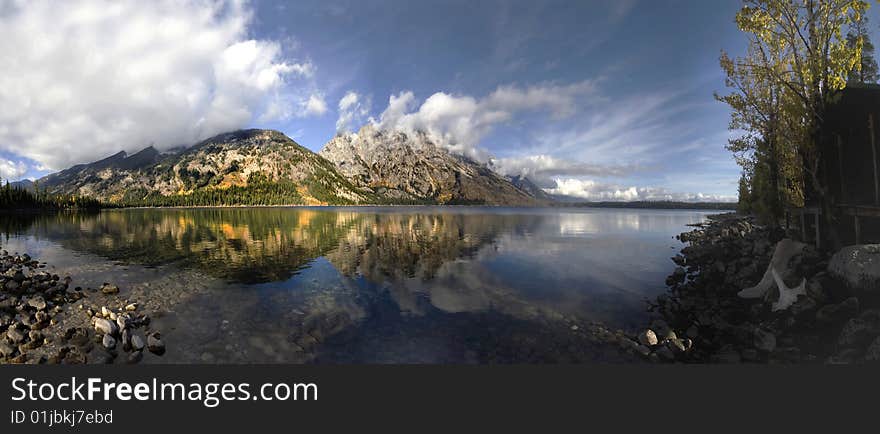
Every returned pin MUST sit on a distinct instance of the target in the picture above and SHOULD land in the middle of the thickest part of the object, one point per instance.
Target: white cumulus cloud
(315, 105)
(542, 168)
(354, 110)
(11, 170)
(595, 191)
(460, 122)
(83, 79)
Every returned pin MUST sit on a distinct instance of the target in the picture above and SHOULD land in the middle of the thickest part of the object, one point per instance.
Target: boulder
(804, 307)
(764, 340)
(156, 346)
(105, 326)
(126, 339)
(648, 338)
(109, 342)
(660, 327)
(838, 312)
(859, 267)
(815, 290)
(860, 331)
(137, 343)
(665, 353)
(873, 352)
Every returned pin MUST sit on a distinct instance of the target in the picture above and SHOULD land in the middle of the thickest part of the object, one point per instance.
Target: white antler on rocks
(787, 296)
(783, 253)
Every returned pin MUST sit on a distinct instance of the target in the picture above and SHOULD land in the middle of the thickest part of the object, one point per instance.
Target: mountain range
(249, 167)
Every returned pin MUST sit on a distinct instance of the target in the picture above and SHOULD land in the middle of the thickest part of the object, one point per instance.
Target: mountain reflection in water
(372, 284)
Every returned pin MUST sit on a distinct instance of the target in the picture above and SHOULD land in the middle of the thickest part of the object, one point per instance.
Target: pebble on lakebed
(36, 305)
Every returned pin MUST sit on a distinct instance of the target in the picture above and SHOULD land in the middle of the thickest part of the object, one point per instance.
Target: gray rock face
(411, 166)
(230, 159)
(372, 166)
(858, 266)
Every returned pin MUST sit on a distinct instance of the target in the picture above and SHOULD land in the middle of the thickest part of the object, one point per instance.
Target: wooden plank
(860, 210)
(818, 236)
(840, 166)
(858, 229)
(803, 226)
(874, 153)
(787, 222)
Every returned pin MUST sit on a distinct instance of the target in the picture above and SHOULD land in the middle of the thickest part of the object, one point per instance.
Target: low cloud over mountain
(88, 77)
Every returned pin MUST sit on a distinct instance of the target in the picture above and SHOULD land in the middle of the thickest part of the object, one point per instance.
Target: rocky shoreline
(44, 320)
(828, 312)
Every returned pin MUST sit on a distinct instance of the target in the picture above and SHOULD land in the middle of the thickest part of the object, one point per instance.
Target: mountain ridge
(411, 166)
(265, 167)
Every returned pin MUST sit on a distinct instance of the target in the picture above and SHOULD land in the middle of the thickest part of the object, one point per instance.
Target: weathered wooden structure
(849, 144)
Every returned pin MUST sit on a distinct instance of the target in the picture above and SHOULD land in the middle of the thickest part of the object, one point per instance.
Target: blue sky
(663, 55)
(602, 99)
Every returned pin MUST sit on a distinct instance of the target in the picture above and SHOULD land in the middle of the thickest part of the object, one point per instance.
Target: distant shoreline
(708, 206)
(620, 205)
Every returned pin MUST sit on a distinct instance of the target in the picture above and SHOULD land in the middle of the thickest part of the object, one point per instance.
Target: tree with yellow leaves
(798, 58)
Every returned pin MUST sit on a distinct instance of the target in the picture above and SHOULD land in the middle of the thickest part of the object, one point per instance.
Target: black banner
(409, 398)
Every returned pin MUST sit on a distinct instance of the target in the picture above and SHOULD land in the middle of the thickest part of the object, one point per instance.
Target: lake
(368, 284)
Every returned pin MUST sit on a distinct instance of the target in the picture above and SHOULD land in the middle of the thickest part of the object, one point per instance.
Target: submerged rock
(109, 289)
(155, 344)
(135, 357)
